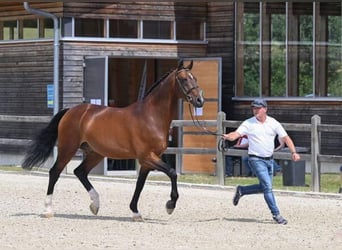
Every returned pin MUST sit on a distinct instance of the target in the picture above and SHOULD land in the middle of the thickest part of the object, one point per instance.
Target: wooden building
(113, 50)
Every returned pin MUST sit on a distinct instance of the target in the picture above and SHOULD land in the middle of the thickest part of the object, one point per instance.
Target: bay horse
(138, 131)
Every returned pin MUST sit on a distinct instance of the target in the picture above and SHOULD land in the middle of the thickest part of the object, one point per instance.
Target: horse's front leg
(138, 188)
(172, 174)
(171, 204)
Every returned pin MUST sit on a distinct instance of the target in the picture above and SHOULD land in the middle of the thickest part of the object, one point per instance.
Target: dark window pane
(157, 29)
(89, 27)
(189, 30)
(123, 28)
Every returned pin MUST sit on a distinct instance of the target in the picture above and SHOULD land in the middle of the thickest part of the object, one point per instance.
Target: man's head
(259, 103)
(259, 106)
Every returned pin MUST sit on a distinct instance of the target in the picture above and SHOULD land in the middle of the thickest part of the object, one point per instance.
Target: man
(261, 130)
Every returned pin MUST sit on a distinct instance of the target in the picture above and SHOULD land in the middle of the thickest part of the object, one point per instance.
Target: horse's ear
(190, 65)
(180, 64)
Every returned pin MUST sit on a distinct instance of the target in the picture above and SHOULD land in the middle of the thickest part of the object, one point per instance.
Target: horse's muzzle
(198, 102)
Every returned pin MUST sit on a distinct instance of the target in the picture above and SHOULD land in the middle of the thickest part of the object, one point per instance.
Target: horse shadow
(92, 217)
(145, 220)
(78, 216)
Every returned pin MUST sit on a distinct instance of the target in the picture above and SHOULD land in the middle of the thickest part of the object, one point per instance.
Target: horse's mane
(157, 83)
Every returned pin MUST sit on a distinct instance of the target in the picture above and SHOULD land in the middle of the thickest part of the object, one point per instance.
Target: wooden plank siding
(25, 70)
(13, 11)
(139, 10)
(220, 35)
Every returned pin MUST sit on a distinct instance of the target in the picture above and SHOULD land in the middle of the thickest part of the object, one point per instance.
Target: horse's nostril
(199, 101)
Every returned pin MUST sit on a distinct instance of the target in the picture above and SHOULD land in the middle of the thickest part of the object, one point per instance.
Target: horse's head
(188, 84)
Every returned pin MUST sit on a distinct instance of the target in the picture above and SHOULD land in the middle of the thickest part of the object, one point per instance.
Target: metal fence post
(315, 151)
(220, 173)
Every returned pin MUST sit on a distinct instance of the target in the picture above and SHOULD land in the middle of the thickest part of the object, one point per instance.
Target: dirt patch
(203, 219)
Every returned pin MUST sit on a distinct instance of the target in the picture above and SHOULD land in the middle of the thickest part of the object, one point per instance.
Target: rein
(222, 145)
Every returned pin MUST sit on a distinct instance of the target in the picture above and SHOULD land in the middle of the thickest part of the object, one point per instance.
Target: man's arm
(232, 136)
(288, 141)
(281, 144)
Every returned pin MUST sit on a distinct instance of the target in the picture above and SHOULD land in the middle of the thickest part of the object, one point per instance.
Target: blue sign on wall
(50, 95)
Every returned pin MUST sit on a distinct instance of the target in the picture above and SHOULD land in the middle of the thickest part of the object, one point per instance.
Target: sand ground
(203, 219)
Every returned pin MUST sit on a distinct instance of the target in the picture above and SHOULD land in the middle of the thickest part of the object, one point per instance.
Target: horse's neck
(164, 100)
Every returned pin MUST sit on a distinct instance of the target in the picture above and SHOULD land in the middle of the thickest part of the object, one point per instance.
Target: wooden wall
(25, 71)
(16, 10)
(137, 10)
(220, 34)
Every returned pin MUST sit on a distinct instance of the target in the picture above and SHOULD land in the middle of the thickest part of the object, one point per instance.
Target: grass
(330, 183)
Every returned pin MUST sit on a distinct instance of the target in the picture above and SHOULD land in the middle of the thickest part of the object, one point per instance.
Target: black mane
(157, 83)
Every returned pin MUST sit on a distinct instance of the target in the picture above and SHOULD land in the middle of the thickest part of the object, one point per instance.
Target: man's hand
(295, 156)
(232, 136)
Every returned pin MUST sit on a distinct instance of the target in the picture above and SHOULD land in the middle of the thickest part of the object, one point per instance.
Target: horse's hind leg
(82, 171)
(54, 174)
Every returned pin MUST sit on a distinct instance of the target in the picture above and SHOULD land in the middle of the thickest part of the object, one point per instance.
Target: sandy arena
(203, 219)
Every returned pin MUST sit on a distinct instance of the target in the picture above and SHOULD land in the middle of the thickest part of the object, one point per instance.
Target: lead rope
(222, 145)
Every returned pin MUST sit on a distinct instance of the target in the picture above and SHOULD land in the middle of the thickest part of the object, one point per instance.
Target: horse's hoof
(48, 214)
(170, 207)
(169, 211)
(94, 209)
(137, 217)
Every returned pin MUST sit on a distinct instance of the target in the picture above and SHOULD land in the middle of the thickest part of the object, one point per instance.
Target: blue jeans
(263, 169)
(229, 165)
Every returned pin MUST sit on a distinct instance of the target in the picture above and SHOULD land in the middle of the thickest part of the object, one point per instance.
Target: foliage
(304, 56)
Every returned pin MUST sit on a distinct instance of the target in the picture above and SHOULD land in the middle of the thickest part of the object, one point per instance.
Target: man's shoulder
(271, 119)
(251, 119)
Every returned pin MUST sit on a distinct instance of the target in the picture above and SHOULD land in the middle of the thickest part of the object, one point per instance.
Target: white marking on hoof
(48, 213)
(95, 205)
(137, 217)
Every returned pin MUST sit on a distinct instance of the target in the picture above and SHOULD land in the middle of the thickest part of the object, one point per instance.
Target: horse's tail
(41, 147)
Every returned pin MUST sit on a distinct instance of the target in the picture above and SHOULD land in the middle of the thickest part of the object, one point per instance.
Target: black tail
(42, 146)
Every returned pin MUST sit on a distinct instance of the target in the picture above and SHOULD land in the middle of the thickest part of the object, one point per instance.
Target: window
(26, 29)
(9, 30)
(67, 27)
(333, 56)
(157, 30)
(29, 29)
(189, 30)
(47, 28)
(123, 28)
(288, 49)
(86, 27)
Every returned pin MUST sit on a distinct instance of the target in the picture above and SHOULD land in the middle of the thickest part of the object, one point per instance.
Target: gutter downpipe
(55, 52)
(55, 59)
